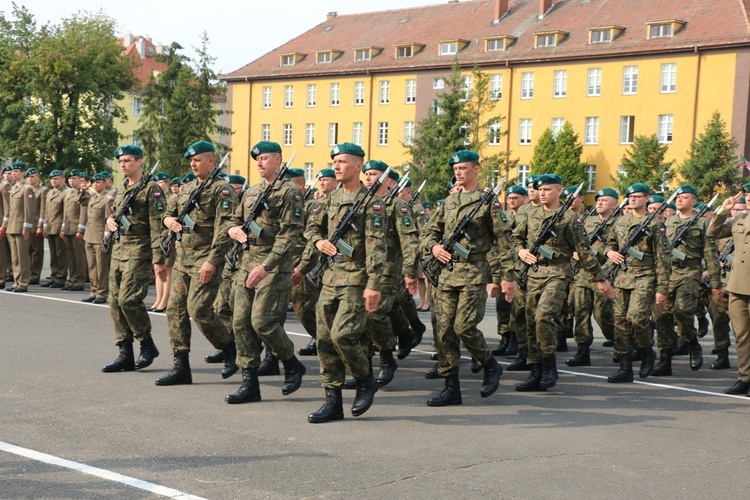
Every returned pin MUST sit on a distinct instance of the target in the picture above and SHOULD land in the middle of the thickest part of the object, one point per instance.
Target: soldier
(263, 283)
(100, 208)
(196, 276)
(53, 218)
(567, 314)
(7, 183)
(546, 285)
(36, 239)
(22, 219)
(641, 284)
(462, 293)
(350, 288)
(175, 185)
(132, 257)
(4, 207)
(72, 232)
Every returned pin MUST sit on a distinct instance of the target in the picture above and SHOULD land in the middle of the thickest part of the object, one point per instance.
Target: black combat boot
(148, 353)
(531, 384)
(702, 326)
(293, 371)
(664, 367)
(625, 373)
(562, 341)
(230, 360)
(217, 357)
(269, 365)
(512, 345)
(417, 331)
(502, 347)
(311, 349)
(125, 361)
(519, 364)
(648, 358)
(722, 362)
(582, 357)
(475, 366)
(696, 355)
(450, 395)
(350, 384)
(405, 343)
(492, 373)
(738, 388)
(549, 372)
(332, 409)
(366, 389)
(388, 368)
(608, 343)
(249, 391)
(681, 349)
(180, 374)
(433, 372)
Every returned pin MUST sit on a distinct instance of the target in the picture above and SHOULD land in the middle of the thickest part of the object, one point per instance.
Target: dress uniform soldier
(7, 184)
(351, 288)
(4, 206)
(54, 204)
(462, 293)
(100, 207)
(72, 233)
(22, 220)
(134, 255)
(36, 239)
(196, 276)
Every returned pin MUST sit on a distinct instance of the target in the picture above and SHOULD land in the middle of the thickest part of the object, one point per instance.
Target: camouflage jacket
(493, 256)
(584, 278)
(144, 232)
(309, 256)
(698, 246)
(402, 239)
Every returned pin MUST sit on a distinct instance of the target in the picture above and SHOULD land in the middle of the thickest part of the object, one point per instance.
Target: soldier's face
(466, 172)
(549, 193)
(99, 186)
(74, 181)
(515, 200)
(202, 164)
(577, 204)
(637, 201)
(738, 207)
(84, 184)
(685, 201)
(371, 176)
(130, 164)
(605, 204)
(164, 185)
(175, 188)
(347, 167)
(56, 181)
(405, 194)
(33, 179)
(533, 194)
(17, 175)
(237, 188)
(327, 184)
(268, 164)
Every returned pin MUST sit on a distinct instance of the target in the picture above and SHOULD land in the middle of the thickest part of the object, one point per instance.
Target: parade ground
(67, 430)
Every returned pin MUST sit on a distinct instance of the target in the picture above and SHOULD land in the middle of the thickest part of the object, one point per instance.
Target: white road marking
(94, 471)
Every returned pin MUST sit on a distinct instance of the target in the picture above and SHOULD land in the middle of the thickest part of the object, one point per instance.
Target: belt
(138, 230)
(686, 263)
(198, 230)
(357, 256)
(646, 262)
(472, 257)
(553, 262)
(258, 242)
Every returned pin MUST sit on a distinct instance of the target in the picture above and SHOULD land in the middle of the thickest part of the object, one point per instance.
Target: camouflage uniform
(518, 319)
(503, 308)
(719, 310)
(305, 256)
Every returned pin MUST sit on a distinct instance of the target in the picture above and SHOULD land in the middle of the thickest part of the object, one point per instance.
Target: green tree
(567, 157)
(542, 162)
(712, 165)
(644, 162)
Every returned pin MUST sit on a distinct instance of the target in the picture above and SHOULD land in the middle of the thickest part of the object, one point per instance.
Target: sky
(239, 32)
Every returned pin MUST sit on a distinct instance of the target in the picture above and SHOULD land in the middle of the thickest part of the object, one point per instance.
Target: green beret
(638, 187)
(293, 173)
(378, 165)
(516, 189)
(672, 206)
(570, 190)
(30, 171)
(73, 172)
(98, 177)
(742, 201)
(439, 202)
(19, 165)
(545, 179)
(408, 183)
(348, 148)
(188, 177)
(198, 148)
(327, 172)
(106, 174)
(746, 187)
(236, 179)
(56, 173)
(83, 175)
(426, 204)
(176, 181)
(6, 168)
(393, 175)
(451, 183)
(222, 175)
(687, 189)
(656, 198)
(462, 156)
(161, 176)
(128, 150)
(265, 147)
(530, 180)
(607, 192)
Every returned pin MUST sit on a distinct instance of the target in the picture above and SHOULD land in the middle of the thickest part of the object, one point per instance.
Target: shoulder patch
(503, 217)
(157, 194)
(421, 213)
(297, 197)
(377, 221)
(404, 210)
(377, 207)
(225, 192)
(407, 221)
(497, 204)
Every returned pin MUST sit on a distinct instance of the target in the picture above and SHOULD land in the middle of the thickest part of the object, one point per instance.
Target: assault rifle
(679, 237)
(337, 238)
(250, 226)
(596, 234)
(242, 191)
(308, 192)
(396, 189)
(415, 194)
(121, 219)
(727, 258)
(431, 266)
(193, 201)
(548, 231)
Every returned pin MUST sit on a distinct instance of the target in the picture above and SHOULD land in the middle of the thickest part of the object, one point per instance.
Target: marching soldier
(99, 209)
(72, 232)
(22, 219)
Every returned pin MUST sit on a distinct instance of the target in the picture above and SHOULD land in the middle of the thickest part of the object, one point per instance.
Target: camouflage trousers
(407, 305)
(458, 311)
(190, 298)
(341, 330)
(587, 302)
(304, 297)
(379, 327)
(665, 334)
(544, 299)
(128, 287)
(632, 311)
(682, 302)
(504, 311)
(719, 313)
(259, 315)
(224, 300)
(518, 318)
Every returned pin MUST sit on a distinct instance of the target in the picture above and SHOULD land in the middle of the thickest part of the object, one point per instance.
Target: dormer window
(327, 56)
(324, 57)
(664, 29)
(407, 50)
(549, 38)
(604, 34)
(366, 53)
(451, 47)
(402, 52)
(290, 59)
(497, 43)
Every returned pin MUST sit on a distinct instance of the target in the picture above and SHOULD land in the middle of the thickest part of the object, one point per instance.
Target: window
(668, 78)
(545, 41)
(591, 179)
(600, 36)
(309, 170)
(309, 134)
(357, 133)
(311, 91)
(287, 134)
(382, 133)
(436, 107)
(523, 173)
(265, 132)
(402, 52)
(561, 83)
(466, 86)
(335, 87)
(527, 85)
(324, 57)
(494, 133)
(408, 133)
(137, 106)
(448, 48)
(595, 82)
(385, 92)
(359, 93)
(496, 87)
(660, 31)
(630, 80)
(557, 126)
(136, 141)
(592, 130)
(465, 133)
(266, 97)
(288, 96)
(333, 134)
(495, 44)
(288, 60)
(411, 91)
(438, 83)
(362, 55)
(666, 123)
(524, 133)
(621, 173)
(627, 128)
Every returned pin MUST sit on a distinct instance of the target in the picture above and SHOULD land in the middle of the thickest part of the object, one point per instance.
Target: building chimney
(127, 40)
(331, 15)
(501, 7)
(140, 46)
(544, 7)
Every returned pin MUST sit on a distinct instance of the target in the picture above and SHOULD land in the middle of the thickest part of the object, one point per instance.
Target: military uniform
(518, 319)
(22, 218)
(36, 239)
(75, 253)
(719, 312)
(304, 295)
(54, 205)
(4, 218)
(99, 209)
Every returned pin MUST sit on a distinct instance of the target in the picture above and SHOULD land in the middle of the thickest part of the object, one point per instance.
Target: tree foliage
(644, 162)
(560, 154)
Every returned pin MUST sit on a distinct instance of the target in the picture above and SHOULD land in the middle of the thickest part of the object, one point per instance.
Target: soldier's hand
(526, 256)
(326, 247)
(111, 224)
(441, 254)
(661, 301)
(297, 277)
(718, 294)
(372, 298)
(509, 290)
(79, 237)
(44, 233)
(172, 224)
(25, 235)
(62, 236)
(493, 289)
(39, 232)
(411, 285)
(575, 256)
(160, 270)
(206, 272)
(256, 276)
(615, 257)
(605, 287)
(731, 201)
(237, 234)
(2, 232)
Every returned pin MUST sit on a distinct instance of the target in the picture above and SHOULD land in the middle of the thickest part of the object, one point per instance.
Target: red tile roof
(148, 64)
(709, 24)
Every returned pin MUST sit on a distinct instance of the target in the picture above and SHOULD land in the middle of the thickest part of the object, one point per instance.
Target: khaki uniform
(100, 208)
(22, 218)
(54, 205)
(75, 253)
(4, 217)
(36, 242)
